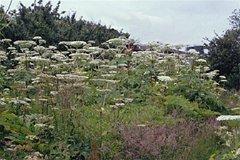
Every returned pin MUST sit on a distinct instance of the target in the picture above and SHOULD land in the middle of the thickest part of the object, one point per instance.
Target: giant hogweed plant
(85, 107)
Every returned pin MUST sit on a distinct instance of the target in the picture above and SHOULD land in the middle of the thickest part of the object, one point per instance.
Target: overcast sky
(167, 21)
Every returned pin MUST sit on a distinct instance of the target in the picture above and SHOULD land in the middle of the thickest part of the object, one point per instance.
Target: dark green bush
(3, 79)
(197, 90)
(47, 22)
(206, 99)
(224, 52)
(183, 106)
(224, 55)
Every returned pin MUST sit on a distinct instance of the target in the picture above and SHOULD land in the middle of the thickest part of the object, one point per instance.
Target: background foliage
(46, 21)
(224, 52)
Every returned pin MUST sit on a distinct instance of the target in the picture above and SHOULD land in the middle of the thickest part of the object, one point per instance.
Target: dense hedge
(46, 21)
(224, 52)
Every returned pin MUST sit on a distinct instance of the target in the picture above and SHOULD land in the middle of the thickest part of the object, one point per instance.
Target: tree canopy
(224, 52)
(47, 21)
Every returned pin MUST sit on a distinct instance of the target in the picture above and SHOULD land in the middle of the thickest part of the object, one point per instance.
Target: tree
(3, 21)
(235, 19)
(224, 52)
(46, 21)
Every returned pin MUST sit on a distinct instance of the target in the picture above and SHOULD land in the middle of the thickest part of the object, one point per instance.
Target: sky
(166, 21)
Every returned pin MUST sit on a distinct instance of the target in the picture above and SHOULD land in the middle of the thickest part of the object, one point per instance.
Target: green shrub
(198, 90)
(224, 53)
(47, 22)
(3, 79)
(183, 106)
(12, 123)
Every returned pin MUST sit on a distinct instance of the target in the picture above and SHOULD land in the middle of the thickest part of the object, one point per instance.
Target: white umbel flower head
(164, 78)
(228, 117)
(201, 61)
(25, 44)
(223, 80)
(222, 77)
(37, 38)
